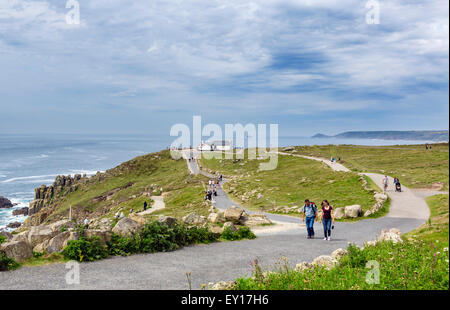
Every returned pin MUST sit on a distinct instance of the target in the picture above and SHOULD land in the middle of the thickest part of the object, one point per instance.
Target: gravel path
(223, 260)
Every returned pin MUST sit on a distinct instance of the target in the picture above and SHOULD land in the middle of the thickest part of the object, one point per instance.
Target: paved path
(219, 261)
(157, 205)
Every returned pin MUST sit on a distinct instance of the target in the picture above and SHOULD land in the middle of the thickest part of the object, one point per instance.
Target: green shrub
(242, 233)
(7, 263)
(158, 237)
(85, 249)
(2, 239)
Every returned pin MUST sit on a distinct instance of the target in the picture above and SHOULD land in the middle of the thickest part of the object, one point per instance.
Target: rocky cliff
(5, 203)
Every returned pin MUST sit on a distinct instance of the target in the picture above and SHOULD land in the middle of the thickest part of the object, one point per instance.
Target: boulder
(233, 214)
(104, 235)
(23, 236)
(230, 225)
(59, 225)
(367, 213)
(303, 266)
(72, 236)
(213, 218)
(5, 203)
(353, 211)
(325, 261)
(393, 235)
(339, 213)
(18, 250)
(193, 219)
(39, 234)
(288, 149)
(168, 220)
(138, 218)
(102, 224)
(338, 253)
(126, 227)
(380, 197)
(216, 229)
(255, 220)
(222, 285)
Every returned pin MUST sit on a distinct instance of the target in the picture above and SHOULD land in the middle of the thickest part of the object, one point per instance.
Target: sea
(28, 161)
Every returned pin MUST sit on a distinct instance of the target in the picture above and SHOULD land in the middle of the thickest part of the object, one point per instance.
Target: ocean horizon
(28, 161)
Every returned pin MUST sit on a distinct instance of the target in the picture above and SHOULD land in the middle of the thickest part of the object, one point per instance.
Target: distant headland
(421, 135)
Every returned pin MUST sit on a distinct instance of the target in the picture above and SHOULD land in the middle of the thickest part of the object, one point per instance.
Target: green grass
(414, 265)
(294, 180)
(129, 185)
(412, 164)
(436, 228)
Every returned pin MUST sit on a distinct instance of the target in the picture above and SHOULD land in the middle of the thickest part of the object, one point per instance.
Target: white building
(222, 145)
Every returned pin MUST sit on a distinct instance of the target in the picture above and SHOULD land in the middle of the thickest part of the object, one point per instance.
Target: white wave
(32, 177)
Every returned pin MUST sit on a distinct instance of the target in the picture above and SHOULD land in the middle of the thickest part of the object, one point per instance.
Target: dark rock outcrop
(14, 225)
(5, 203)
(21, 211)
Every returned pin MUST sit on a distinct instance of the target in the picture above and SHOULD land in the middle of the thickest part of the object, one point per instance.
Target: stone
(193, 219)
(138, 218)
(367, 213)
(126, 227)
(222, 285)
(18, 250)
(339, 213)
(233, 214)
(229, 225)
(380, 197)
(39, 234)
(393, 235)
(303, 266)
(72, 236)
(353, 211)
(104, 235)
(168, 220)
(22, 236)
(102, 224)
(325, 261)
(255, 220)
(338, 253)
(288, 149)
(5, 203)
(213, 218)
(59, 225)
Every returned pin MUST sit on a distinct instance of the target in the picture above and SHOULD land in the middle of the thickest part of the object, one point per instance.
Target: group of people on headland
(211, 191)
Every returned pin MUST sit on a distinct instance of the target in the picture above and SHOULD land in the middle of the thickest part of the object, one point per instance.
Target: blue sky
(142, 66)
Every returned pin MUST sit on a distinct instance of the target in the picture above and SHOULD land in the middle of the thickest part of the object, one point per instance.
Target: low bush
(85, 249)
(158, 237)
(7, 263)
(2, 239)
(241, 233)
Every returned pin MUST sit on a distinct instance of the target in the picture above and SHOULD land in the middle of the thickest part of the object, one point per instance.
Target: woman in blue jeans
(327, 219)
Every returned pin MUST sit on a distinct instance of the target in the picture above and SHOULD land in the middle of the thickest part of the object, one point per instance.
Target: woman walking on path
(327, 219)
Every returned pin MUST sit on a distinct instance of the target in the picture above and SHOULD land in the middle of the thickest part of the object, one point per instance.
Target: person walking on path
(309, 213)
(385, 183)
(145, 205)
(327, 219)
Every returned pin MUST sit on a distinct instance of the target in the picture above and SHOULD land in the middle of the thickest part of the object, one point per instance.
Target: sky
(142, 66)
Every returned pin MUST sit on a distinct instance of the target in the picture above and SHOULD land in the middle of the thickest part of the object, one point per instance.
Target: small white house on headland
(219, 145)
(222, 145)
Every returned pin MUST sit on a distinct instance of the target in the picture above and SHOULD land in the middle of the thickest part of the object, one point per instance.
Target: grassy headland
(415, 166)
(294, 180)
